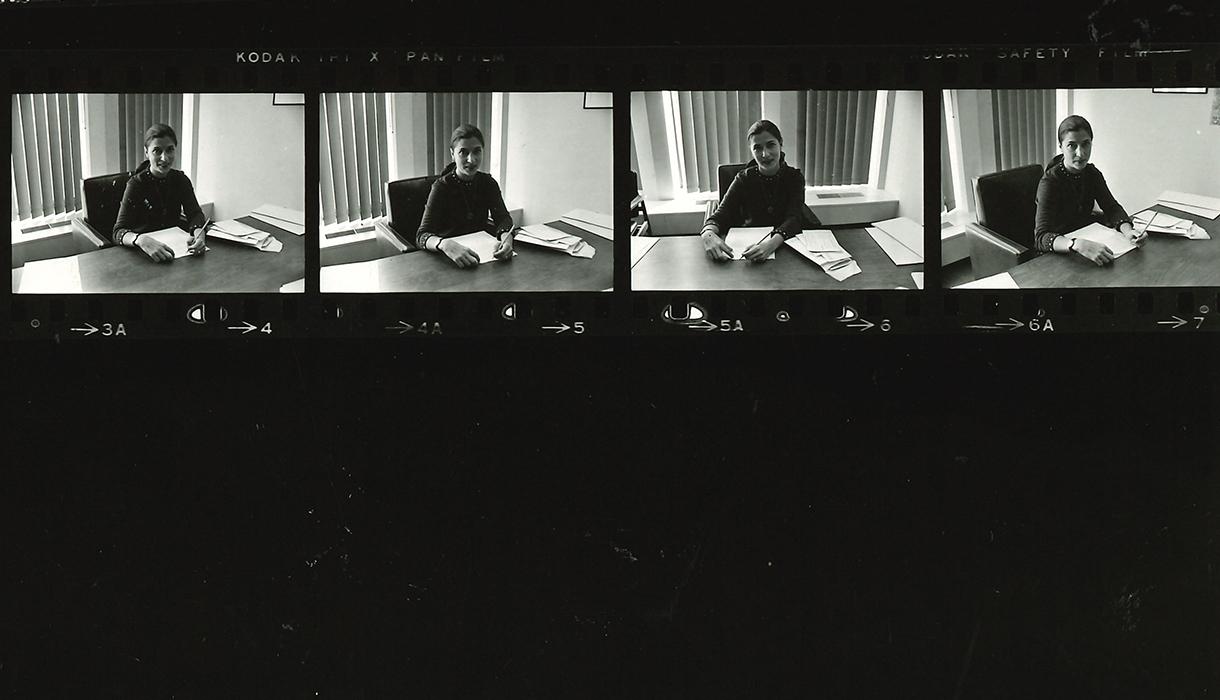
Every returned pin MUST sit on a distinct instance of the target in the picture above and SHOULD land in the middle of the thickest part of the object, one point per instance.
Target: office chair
(1003, 237)
(103, 195)
(407, 199)
(635, 205)
(725, 175)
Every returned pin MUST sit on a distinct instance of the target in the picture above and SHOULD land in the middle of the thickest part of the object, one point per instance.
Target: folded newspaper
(824, 250)
(1149, 221)
(547, 237)
(237, 232)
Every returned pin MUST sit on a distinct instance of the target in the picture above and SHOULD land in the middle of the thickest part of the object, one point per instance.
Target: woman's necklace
(463, 186)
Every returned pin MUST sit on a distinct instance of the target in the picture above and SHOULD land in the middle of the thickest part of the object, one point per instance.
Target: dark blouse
(1065, 202)
(754, 199)
(151, 203)
(456, 207)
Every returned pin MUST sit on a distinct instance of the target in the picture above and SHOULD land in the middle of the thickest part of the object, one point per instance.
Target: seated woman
(767, 192)
(157, 196)
(463, 201)
(1066, 193)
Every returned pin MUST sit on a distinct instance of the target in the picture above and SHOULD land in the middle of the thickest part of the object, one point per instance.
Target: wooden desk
(1164, 261)
(678, 263)
(226, 267)
(534, 269)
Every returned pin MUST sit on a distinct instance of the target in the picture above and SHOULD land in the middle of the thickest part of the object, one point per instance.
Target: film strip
(914, 77)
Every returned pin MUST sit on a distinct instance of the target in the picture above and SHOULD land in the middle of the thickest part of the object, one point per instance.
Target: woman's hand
(155, 249)
(764, 248)
(196, 244)
(1136, 237)
(458, 253)
(1098, 253)
(715, 247)
(504, 251)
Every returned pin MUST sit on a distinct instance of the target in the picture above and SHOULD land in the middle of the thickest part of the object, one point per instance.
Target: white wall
(904, 162)
(558, 156)
(1145, 143)
(101, 123)
(250, 153)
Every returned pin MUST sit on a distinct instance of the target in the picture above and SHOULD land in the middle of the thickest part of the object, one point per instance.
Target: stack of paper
(591, 221)
(482, 243)
(1118, 243)
(237, 232)
(1002, 280)
(288, 219)
(51, 276)
(1197, 204)
(640, 245)
(547, 237)
(823, 249)
(350, 277)
(174, 237)
(901, 239)
(1149, 221)
(740, 239)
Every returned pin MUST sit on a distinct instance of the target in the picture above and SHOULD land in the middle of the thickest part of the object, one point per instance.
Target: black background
(925, 516)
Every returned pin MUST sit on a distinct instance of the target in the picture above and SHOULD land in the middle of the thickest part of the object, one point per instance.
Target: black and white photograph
(769, 190)
(157, 193)
(1067, 188)
(466, 192)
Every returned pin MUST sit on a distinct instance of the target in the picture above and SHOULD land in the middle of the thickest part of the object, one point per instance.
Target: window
(836, 129)
(708, 130)
(46, 156)
(137, 112)
(1024, 122)
(445, 112)
(948, 199)
(354, 165)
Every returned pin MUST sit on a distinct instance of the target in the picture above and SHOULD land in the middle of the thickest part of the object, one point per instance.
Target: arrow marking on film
(704, 325)
(88, 330)
(1176, 322)
(863, 325)
(402, 327)
(245, 328)
(558, 329)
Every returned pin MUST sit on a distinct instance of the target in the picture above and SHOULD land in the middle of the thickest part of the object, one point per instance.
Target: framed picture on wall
(288, 98)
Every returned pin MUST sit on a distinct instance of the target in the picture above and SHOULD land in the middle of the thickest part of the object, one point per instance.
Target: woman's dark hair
(1074, 123)
(466, 131)
(762, 125)
(156, 131)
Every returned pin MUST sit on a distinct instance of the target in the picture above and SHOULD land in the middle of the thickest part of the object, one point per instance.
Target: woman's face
(160, 153)
(1076, 147)
(765, 148)
(467, 155)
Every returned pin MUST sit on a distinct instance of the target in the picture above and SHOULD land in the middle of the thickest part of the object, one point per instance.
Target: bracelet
(1071, 244)
(134, 239)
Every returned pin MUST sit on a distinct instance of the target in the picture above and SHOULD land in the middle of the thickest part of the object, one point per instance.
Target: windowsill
(365, 230)
(953, 235)
(842, 205)
(59, 225)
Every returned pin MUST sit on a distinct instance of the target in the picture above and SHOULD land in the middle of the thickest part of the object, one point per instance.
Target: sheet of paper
(282, 213)
(289, 226)
(1002, 280)
(918, 277)
(294, 287)
(821, 241)
(51, 276)
(1200, 205)
(842, 272)
(350, 277)
(640, 245)
(177, 239)
(584, 250)
(483, 244)
(546, 233)
(1118, 243)
(596, 218)
(741, 238)
(233, 227)
(897, 252)
(906, 232)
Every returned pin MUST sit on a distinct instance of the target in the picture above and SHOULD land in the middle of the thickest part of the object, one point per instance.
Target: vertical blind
(446, 111)
(46, 155)
(137, 112)
(1024, 122)
(355, 161)
(710, 129)
(837, 135)
(947, 198)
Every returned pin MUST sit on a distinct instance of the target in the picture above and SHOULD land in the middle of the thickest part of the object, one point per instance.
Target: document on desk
(899, 253)
(821, 248)
(288, 219)
(591, 221)
(51, 276)
(174, 237)
(1149, 221)
(237, 232)
(906, 232)
(296, 286)
(1118, 243)
(1002, 280)
(350, 277)
(640, 245)
(547, 237)
(1197, 204)
(482, 243)
(918, 277)
(741, 238)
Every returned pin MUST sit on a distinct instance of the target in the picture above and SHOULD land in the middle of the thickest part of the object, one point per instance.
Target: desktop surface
(679, 263)
(1163, 261)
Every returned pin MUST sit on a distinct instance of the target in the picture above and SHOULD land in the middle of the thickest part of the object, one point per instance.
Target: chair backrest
(725, 175)
(407, 199)
(103, 195)
(1005, 202)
